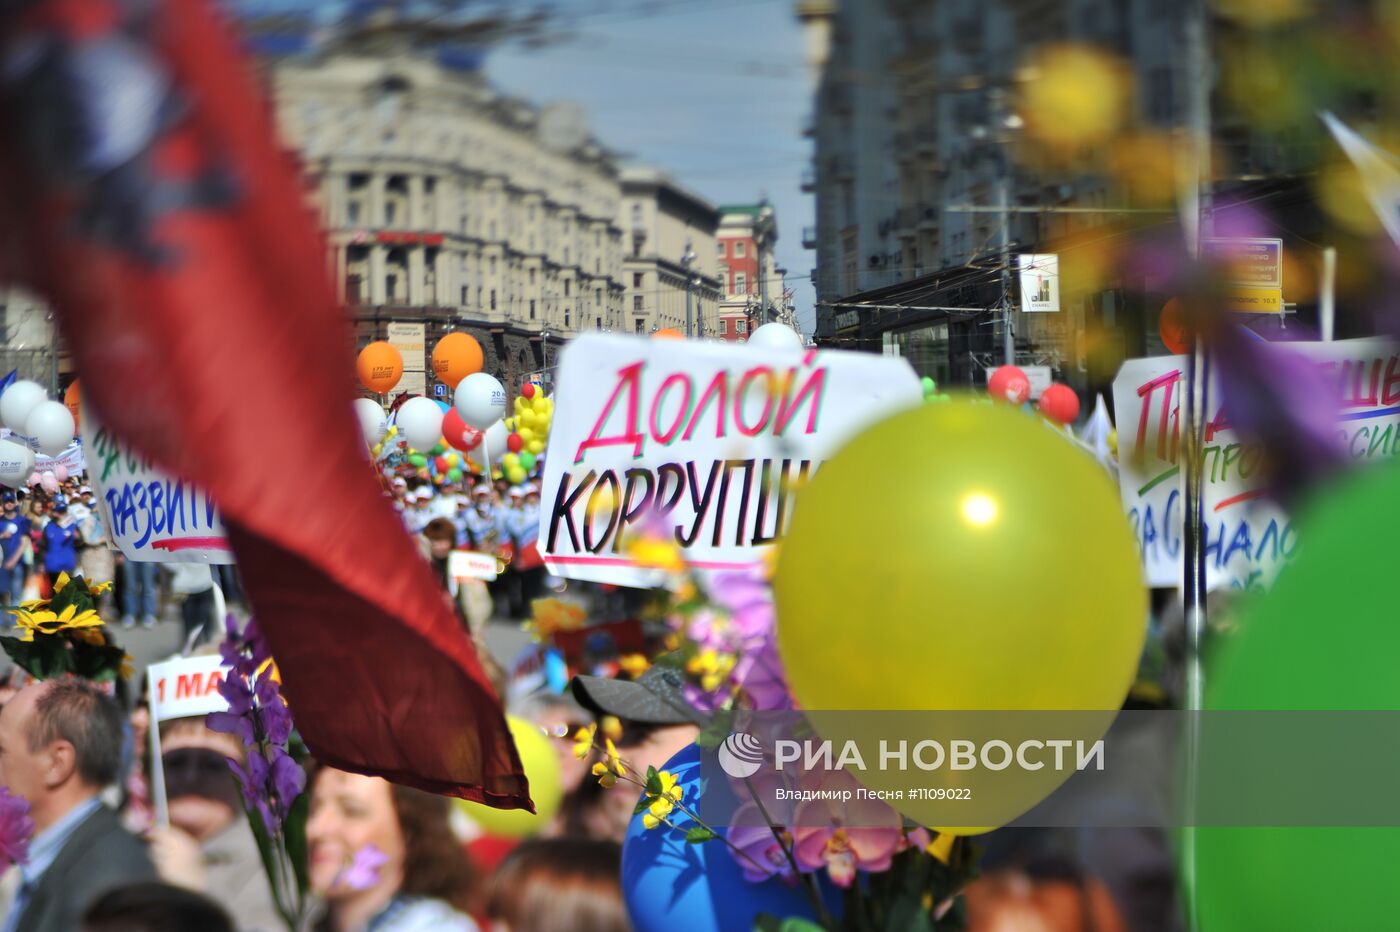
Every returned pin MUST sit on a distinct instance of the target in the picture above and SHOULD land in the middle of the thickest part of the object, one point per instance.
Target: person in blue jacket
(60, 542)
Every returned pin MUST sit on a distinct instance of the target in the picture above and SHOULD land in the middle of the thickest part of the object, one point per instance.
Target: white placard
(187, 686)
(468, 564)
(1248, 537)
(151, 517)
(701, 440)
(1040, 283)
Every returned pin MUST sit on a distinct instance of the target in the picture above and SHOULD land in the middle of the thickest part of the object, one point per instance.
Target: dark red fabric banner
(144, 194)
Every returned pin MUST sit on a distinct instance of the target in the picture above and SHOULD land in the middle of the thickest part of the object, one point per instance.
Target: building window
(639, 323)
(566, 317)
(493, 299)
(738, 249)
(597, 323)
(566, 287)
(391, 287)
(493, 265)
(636, 279)
(352, 290)
(741, 283)
(720, 247)
(598, 296)
(352, 213)
(637, 302)
(741, 326)
(391, 213)
(464, 295)
(532, 276)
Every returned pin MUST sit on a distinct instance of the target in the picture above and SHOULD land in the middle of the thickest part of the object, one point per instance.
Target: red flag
(149, 202)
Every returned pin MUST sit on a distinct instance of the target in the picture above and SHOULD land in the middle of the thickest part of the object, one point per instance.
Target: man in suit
(60, 744)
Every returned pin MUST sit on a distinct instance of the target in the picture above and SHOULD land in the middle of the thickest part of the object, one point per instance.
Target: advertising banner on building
(1040, 283)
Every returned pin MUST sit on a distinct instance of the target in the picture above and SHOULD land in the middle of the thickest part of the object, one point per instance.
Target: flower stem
(808, 881)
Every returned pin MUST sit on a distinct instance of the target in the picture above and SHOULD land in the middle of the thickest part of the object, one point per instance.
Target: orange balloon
(379, 366)
(1172, 327)
(670, 333)
(71, 400)
(455, 357)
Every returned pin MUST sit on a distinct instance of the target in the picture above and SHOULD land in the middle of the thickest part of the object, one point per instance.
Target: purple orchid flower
(16, 829)
(364, 869)
(756, 850)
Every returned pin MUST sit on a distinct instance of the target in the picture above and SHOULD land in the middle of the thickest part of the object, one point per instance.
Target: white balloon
(373, 423)
(776, 336)
(480, 400)
(495, 440)
(16, 463)
(19, 399)
(51, 425)
(420, 423)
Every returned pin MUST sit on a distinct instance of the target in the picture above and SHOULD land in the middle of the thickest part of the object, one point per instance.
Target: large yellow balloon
(546, 787)
(960, 556)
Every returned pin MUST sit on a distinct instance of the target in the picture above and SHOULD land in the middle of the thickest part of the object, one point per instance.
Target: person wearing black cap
(657, 723)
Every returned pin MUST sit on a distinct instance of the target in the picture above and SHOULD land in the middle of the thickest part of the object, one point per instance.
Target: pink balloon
(33, 479)
(60, 472)
(49, 482)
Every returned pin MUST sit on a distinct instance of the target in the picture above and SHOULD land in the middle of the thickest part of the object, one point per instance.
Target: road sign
(1254, 270)
(439, 390)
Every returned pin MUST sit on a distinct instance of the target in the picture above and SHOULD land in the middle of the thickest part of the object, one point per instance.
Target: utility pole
(687, 259)
(1008, 335)
(761, 241)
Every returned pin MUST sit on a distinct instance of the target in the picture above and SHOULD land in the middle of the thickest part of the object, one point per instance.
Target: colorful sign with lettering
(187, 686)
(152, 517)
(702, 442)
(1254, 269)
(1247, 537)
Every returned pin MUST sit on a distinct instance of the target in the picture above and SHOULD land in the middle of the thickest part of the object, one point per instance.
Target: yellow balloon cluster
(389, 435)
(529, 432)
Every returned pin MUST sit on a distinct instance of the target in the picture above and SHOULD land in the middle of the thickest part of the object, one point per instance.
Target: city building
(449, 204)
(752, 285)
(924, 197)
(670, 267)
(30, 343)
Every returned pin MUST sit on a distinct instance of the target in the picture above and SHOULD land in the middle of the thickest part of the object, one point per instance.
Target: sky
(713, 92)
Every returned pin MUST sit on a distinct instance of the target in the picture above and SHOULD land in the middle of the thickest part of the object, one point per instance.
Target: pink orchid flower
(845, 835)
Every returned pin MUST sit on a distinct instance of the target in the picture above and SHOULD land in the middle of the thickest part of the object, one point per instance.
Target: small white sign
(187, 686)
(1040, 377)
(1040, 283)
(468, 564)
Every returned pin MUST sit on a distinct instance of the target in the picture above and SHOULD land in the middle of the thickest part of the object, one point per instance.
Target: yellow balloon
(510, 461)
(526, 434)
(991, 567)
(451, 459)
(535, 446)
(546, 787)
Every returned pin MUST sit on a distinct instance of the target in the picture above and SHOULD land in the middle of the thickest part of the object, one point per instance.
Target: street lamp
(687, 260)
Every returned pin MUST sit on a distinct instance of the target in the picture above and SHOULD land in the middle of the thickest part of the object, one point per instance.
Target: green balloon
(527, 460)
(454, 474)
(418, 459)
(930, 386)
(439, 449)
(1324, 638)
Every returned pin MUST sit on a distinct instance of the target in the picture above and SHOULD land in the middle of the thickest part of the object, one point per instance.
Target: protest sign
(702, 441)
(181, 688)
(151, 517)
(70, 459)
(468, 564)
(1247, 538)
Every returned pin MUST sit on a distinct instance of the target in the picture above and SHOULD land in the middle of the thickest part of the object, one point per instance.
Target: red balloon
(514, 443)
(1009, 384)
(472, 437)
(528, 389)
(1060, 404)
(441, 464)
(1176, 334)
(454, 430)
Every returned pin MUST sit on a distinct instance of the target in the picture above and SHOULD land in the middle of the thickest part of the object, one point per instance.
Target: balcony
(809, 237)
(809, 180)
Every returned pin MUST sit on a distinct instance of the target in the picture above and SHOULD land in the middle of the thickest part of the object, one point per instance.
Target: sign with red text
(187, 686)
(695, 443)
(1247, 537)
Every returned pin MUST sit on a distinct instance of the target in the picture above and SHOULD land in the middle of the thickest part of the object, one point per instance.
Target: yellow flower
(612, 727)
(663, 802)
(46, 622)
(553, 615)
(99, 588)
(712, 668)
(583, 741)
(607, 771)
(60, 582)
(942, 846)
(634, 665)
(656, 553)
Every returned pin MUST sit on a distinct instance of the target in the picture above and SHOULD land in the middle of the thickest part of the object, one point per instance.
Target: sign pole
(158, 800)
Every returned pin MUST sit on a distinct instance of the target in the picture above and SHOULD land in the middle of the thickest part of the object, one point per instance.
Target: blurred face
(30, 774)
(203, 800)
(348, 812)
(441, 547)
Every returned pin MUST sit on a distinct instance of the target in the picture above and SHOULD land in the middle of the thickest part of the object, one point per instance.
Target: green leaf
(294, 831)
(763, 922)
(699, 833)
(798, 924)
(653, 782)
(643, 805)
(714, 733)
